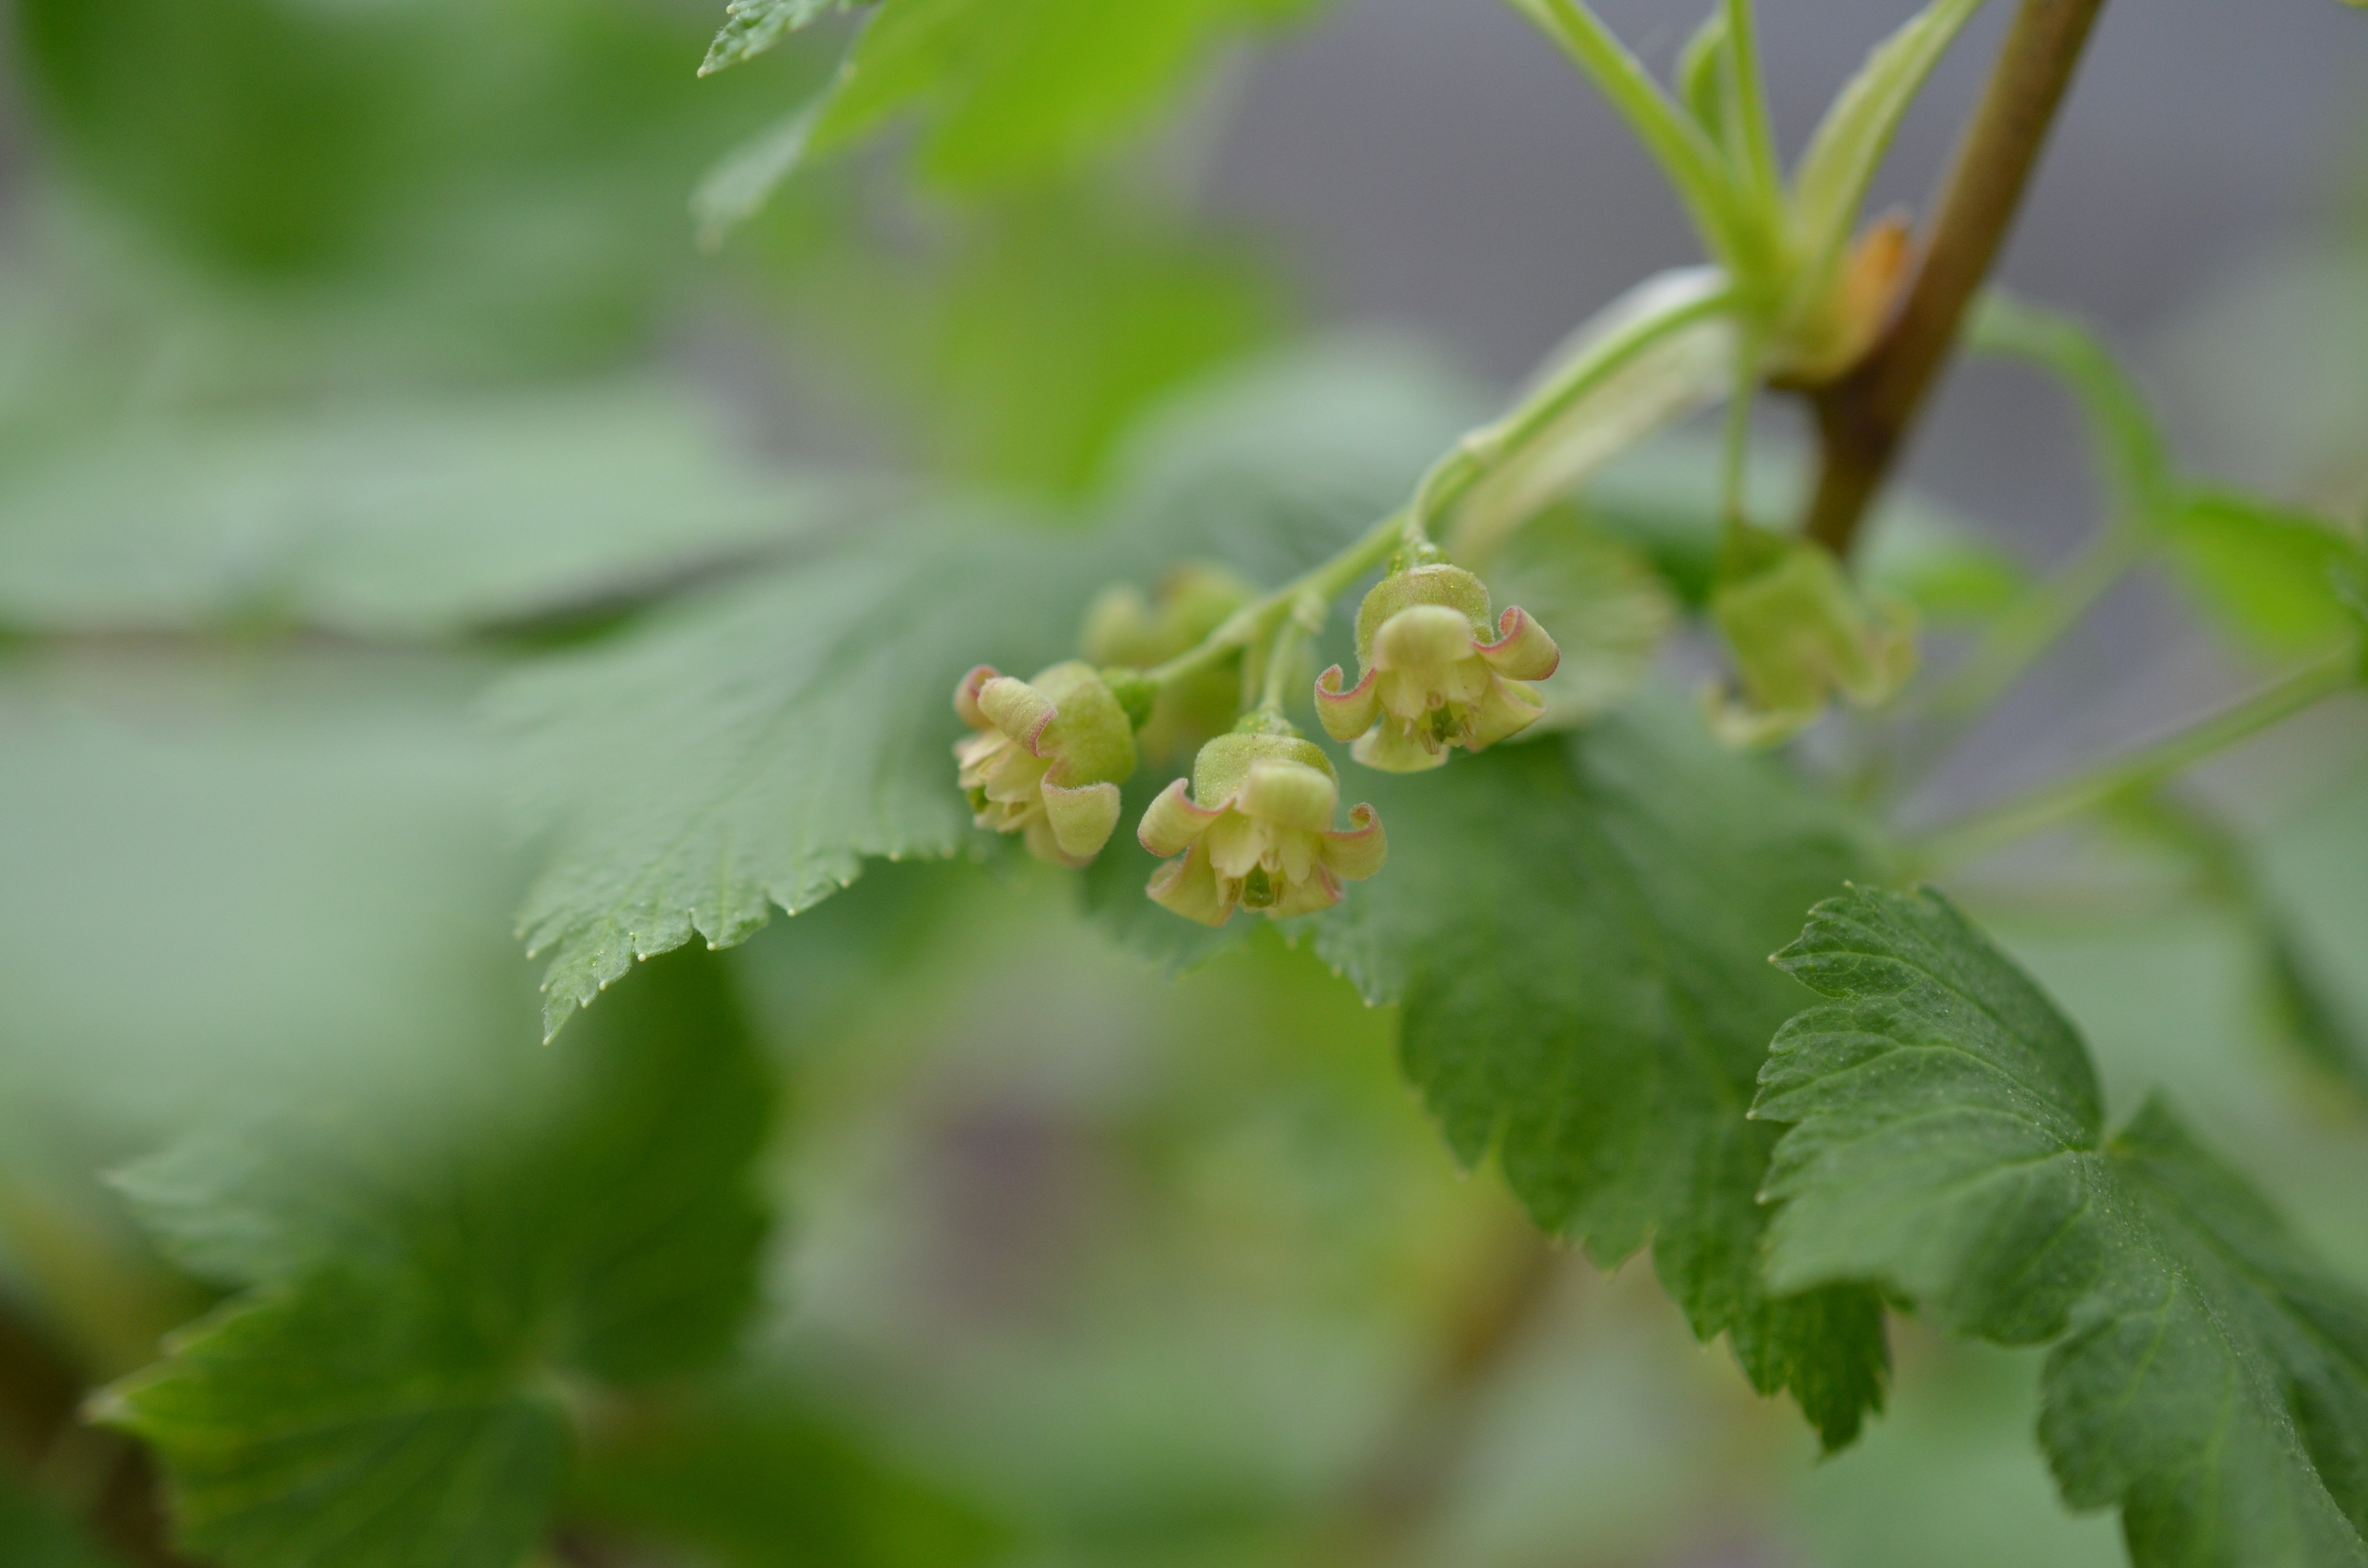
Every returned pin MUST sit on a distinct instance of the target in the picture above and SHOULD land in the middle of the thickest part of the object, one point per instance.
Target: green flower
(1801, 633)
(1048, 757)
(1256, 833)
(1434, 679)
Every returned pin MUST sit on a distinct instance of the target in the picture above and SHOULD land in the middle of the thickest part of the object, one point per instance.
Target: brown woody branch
(1865, 416)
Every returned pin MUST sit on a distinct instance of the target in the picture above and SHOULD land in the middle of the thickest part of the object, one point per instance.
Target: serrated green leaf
(753, 27)
(424, 1290)
(755, 748)
(1849, 145)
(1014, 88)
(1947, 1141)
(1577, 931)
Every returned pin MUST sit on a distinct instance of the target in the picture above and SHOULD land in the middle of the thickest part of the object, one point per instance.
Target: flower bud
(1256, 832)
(1433, 679)
(1048, 757)
(1124, 628)
(1800, 633)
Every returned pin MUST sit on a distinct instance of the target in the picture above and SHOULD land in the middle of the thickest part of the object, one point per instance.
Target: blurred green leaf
(2272, 574)
(1607, 608)
(413, 519)
(1948, 1141)
(1022, 338)
(430, 1294)
(1577, 931)
(752, 26)
(755, 747)
(35, 1534)
(756, 1482)
(1016, 88)
(503, 176)
(2267, 572)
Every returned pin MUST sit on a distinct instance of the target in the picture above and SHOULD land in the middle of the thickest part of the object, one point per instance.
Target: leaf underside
(2207, 1377)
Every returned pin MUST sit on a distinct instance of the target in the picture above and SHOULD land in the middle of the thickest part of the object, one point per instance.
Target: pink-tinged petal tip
(1174, 824)
(1358, 852)
(966, 697)
(1522, 650)
(1018, 709)
(1346, 714)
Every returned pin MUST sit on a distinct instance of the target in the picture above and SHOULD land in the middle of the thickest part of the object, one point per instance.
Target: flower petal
(1422, 637)
(1235, 845)
(1319, 891)
(1018, 709)
(1289, 794)
(1522, 650)
(966, 697)
(1082, 819)
(1345, 714)
(1509, 708)
(1358, 852)
(1392, 750)
(1174, 824)
(1189, 887)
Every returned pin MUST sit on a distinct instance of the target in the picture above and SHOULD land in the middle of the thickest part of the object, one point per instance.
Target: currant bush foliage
(424, 1306)
(1947, 1141)
(1576, 931)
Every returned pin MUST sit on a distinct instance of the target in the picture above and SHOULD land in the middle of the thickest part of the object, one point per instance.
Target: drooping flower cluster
(1255, 831)
(1047, 759)
(1255, 827)
(1433, 676)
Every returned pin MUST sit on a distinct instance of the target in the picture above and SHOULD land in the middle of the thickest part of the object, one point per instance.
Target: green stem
(1304, 619)
(2033, 624)
(1322, 584)
(2054, 803)
(1734, 464)
(1758, 153)
(1686, 153)
(1486, 451)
